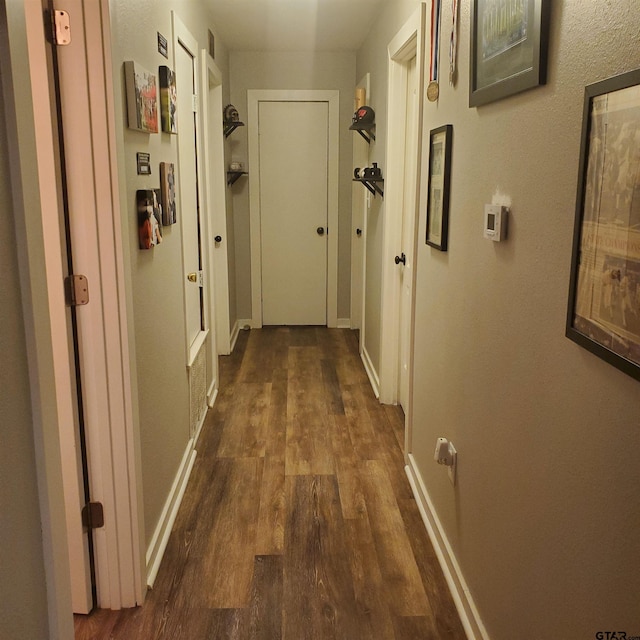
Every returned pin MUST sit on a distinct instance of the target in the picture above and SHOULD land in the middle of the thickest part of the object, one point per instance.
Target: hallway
(298, 521)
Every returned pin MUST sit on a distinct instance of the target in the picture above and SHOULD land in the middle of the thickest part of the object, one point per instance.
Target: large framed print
(142, 98)
(509, 42)
(603, 313)
(440, 144)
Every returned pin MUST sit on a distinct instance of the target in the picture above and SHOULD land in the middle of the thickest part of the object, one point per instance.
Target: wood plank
(446, 619)
(333, 394)
(308, 449)
(266, 352)
(272, 514)
(396, 418)
(243, 432)
(363, 435)
(224, 572)
(318, 600)
(414, 627)
(230, 624)
(405, 592)
(303, 336)
(392, 455)
(265, 609)
(272, 508)
(96, 626)
(347, 470)
(369, 586)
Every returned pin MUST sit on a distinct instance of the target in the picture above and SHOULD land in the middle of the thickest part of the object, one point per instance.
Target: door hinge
(76, 290)
(195, 103)
(61, 28)
(93, 515)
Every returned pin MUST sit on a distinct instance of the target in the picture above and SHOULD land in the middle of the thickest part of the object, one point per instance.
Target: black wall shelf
(230, 127)
(373, 184)
(367, 134)
(233, 176)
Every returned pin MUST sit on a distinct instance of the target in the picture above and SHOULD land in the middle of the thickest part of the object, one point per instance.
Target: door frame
(214, 188)
(104, 324)
(34, 191)
(254, 97)
(360, 199)
(183, 37)
(407, 43)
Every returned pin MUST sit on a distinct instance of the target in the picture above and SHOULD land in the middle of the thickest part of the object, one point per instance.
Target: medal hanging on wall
(433, 88)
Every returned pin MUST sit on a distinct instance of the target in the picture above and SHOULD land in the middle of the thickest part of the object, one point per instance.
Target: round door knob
(401, 258)
(320, 231)
(218, 239)
(192, 277)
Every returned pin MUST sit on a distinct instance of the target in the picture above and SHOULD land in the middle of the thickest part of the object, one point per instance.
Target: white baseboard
(344, 323)
(234, 336)
(465, 605)
(239, 324)
(371, 372)
(156, 549)
(212, 394)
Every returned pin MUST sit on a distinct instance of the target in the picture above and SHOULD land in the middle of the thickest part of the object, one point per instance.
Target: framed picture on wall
(168, 100)
(509, 42)
(149, 218)
(142, 98)
(440, 144)
(603, 313)
(168, 193)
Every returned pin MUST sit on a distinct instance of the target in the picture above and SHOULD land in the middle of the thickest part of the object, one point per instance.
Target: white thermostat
(495, 222)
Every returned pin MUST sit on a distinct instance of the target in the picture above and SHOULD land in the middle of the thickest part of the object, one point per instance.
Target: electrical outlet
(446, 455)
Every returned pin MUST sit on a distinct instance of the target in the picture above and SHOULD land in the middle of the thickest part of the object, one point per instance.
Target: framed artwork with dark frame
(603, 313)
(509, 42)
(440, 144)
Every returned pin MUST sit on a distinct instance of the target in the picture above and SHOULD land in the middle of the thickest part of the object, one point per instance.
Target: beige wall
(23, 597)
(156, 275)
(544, 518)
(259, 70)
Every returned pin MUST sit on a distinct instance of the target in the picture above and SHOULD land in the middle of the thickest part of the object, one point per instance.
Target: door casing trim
(407, 43)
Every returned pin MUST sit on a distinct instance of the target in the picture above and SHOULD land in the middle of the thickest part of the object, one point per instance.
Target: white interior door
(293, 158)
(408, 231)
(185, 62)
(217, 241)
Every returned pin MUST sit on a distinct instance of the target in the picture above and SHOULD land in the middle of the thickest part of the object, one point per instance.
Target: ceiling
(294, 25)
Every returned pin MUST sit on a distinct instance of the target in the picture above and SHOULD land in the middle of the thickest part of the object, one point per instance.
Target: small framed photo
(509, 42)
(142, 98)
(149, 218)
(603, 313)
(440, 144)
(168, 193)
(168, 100)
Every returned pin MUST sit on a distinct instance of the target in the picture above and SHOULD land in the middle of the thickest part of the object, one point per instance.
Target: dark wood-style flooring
(298, 522)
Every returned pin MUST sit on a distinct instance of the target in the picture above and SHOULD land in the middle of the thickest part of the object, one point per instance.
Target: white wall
(260, 70)
(544, 518)
(156, 275)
